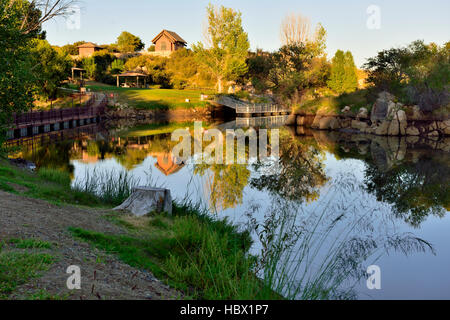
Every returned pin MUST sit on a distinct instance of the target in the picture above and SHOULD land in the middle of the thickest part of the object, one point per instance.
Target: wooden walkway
(37, 122)
(246, 108)
(255, 122)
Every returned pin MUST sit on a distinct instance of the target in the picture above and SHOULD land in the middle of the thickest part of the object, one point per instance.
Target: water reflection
(333, 203)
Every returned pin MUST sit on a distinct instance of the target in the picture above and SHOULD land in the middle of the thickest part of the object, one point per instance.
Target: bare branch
(295, 29)
(50, 9)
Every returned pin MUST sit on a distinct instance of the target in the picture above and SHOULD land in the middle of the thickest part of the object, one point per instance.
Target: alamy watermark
(74, 280)
(73, 21)
(374, 19)
(191, 147)
(374, 279)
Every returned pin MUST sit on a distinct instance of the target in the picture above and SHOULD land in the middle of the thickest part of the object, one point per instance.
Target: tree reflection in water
(415, 189)
(322, 252)
(298, 176)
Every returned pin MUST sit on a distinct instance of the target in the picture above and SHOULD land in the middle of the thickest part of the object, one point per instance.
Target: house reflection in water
(167, 163)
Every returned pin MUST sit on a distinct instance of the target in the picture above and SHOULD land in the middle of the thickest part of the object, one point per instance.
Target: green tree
(51, 67)
(117, 66)
(227, 45)
(343, 78)
(298, 66)
(72, 49)
(417, 74)
(128, 42)
(90, 67)
(20, 23)
(16, 78)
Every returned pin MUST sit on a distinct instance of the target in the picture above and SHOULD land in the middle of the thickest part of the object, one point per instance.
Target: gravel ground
(103, 275)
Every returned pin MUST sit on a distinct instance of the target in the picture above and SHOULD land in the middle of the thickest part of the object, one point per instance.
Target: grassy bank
(203, 257)
(334, 104)
(154, 98)
(20, 261)
(200, 256)
(48, 184)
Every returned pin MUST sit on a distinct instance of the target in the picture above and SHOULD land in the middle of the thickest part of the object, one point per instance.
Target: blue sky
(402, 21)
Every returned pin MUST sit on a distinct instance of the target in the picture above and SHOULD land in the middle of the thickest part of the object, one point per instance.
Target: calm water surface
(362, 200)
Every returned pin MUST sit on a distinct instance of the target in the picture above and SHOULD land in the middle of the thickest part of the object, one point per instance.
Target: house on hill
(88, 49)
(168, 42)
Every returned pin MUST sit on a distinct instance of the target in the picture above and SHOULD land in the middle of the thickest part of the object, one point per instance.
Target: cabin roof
(89, 45)
(172, 36)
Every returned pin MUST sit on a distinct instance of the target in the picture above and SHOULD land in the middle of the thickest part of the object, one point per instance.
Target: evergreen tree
(343, 77)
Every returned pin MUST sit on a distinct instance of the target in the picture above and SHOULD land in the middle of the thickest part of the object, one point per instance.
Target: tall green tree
(343, 78)
(224, 55)
(21, 22)
(51, 67)
(15, 62)
(128, 42)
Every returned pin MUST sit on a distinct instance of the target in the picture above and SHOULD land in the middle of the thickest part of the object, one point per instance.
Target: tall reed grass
(109, 186)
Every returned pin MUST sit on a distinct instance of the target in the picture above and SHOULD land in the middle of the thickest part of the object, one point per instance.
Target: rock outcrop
(387, 118)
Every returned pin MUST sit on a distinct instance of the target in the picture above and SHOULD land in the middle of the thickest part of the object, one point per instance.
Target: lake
(335, 202)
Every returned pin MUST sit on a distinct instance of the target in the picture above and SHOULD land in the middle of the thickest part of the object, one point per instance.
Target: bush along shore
(387, 117)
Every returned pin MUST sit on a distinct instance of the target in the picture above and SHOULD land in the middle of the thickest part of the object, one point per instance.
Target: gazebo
(132, 74)
(81, 73)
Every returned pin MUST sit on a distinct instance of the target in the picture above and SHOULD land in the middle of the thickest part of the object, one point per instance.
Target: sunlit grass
(153, 98)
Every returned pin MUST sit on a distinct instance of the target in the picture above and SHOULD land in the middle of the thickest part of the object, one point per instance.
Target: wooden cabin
(88, 49)
(168, 41)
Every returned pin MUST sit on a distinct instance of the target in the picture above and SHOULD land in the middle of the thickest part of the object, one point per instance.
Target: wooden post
(118, 83)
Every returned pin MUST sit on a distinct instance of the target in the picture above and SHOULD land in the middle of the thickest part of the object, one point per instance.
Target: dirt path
(103, 276)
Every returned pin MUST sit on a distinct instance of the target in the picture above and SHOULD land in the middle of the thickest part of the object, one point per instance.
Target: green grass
(334, 104)
(30, 244)
(100, 189)
(18, 267)
(51, 186)
(109, 187)
(154, 99)
(56, 176)
(155, 129)
(204, 257)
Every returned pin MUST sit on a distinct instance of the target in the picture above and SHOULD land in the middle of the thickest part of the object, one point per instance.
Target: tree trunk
(219, 85)
(146, 200)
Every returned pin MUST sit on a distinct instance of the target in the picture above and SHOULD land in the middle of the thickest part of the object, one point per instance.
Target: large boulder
(359, 125)
(316, 122)
(291, 120)
(328, 123)
(381, 106)
(363, 114)
(400, 117)
(383, 128)
(445, 127)
(412, 131)
(415, 113)
(300, 120)
(394, 128)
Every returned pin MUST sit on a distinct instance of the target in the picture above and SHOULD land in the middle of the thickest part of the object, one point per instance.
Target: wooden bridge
(255, 122)
(38, 122)
(250, 109)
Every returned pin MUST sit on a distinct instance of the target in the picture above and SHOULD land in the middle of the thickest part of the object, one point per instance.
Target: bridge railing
(245, 107)
(90, 109)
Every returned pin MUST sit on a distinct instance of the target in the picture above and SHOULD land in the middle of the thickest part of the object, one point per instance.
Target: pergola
(132, 74)
(77, 69)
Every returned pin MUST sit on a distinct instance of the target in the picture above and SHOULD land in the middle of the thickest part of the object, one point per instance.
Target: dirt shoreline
(103, 275)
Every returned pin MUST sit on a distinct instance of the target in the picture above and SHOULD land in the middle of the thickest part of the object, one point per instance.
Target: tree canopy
(343, 78)
(225, 52)
(128, 42)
